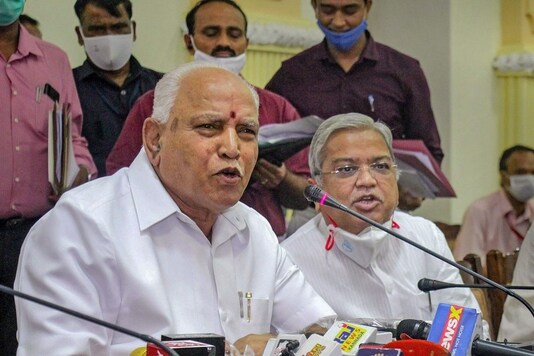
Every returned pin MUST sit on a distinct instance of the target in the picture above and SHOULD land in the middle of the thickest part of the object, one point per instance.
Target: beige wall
(455, 41)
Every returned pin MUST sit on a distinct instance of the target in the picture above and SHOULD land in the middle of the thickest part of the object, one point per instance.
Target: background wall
(454, 40)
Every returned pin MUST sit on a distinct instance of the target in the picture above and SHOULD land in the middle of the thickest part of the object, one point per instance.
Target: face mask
(343, 41)
(233, 64)
(522, 187)
(10, 11)
(110, 52)
(365, 246)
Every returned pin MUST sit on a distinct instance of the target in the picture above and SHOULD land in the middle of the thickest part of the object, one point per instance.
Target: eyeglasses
(376, 170)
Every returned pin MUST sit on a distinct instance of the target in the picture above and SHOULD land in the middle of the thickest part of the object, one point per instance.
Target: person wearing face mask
(27, 64)
(217, 34)
(350, 72)
(359, 270)
(111, 79)
(500, 220)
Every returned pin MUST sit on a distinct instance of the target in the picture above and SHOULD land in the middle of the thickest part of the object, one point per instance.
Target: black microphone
(419, 329)
(427, 285)
(144, 337)
(316, 195)
(416, 329)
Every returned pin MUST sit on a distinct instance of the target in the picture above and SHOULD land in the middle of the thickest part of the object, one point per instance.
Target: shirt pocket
(257, 313)
(41, 114)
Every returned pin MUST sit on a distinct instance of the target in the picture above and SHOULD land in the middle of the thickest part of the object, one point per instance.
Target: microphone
(427, 285)
(318, 345)
(416, 329)
(315, 194)
(144, 337)
(284, 344)
(478, 347)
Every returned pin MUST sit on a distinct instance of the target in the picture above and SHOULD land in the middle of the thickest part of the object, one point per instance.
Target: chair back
(472, 262)
(500, 268)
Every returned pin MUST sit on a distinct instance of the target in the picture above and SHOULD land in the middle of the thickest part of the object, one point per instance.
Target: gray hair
(168, 86)
(342, 122)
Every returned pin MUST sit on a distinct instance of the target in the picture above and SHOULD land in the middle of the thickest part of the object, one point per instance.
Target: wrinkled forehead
(215, 88)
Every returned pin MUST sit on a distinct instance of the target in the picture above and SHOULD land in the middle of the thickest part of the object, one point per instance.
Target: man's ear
(317, 206)
(152, 130)
(189, 44)
(134, 25)
(78, 30)
(505, 179)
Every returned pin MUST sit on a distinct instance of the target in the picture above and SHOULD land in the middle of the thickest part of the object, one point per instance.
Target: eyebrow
(352, 160)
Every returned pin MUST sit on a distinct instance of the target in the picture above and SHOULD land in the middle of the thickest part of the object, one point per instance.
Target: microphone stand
(144, 337)
(315, 194)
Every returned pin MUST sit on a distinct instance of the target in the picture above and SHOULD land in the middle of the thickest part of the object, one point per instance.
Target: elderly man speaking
(164, 246)
(358, 269)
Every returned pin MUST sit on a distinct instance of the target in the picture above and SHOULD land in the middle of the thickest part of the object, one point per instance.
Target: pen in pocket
(248, 296)
(371, 99)
(241, 309)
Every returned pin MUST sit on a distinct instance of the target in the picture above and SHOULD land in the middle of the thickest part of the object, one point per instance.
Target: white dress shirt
(517, 324)
(119, 249)
(376, 277)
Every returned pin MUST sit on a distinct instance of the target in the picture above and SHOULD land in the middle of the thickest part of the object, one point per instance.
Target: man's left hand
(255, 341)
(268, 174)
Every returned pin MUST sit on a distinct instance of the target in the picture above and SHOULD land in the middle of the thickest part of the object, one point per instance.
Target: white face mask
(110, 52)
(522, 187)
(233, 64)
(364, 247)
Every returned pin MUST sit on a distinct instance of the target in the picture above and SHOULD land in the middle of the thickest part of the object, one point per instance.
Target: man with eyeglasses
(111, 79)
(359, 270)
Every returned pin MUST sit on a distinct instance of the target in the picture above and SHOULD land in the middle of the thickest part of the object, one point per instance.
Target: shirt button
(17, 179)
(13, 206)
(224, 316)
(16, 120)
(17, 148)
(14, 92)
(123, 92)
(8, 65)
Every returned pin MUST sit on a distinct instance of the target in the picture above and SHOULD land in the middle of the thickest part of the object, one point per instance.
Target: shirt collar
(151, 200)
(370, 52)
(27, 44)
(88, 69)
(153, 203)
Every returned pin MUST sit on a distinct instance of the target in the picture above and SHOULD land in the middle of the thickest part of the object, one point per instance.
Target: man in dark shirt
(350, 72)
(111, 79)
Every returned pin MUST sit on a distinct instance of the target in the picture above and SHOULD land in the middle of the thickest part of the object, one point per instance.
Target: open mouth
(230, 173)
(366, 202)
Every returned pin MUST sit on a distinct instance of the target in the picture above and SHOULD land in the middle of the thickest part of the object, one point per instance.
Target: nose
(223, 40)
(338, 21)
(364, 177)
(230, 144)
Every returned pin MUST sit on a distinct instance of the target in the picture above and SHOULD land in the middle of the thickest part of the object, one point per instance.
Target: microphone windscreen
(313, 193)
(416, 329)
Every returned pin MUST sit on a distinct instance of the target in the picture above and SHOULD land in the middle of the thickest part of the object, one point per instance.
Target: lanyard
(511, 226)
(330, 238)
